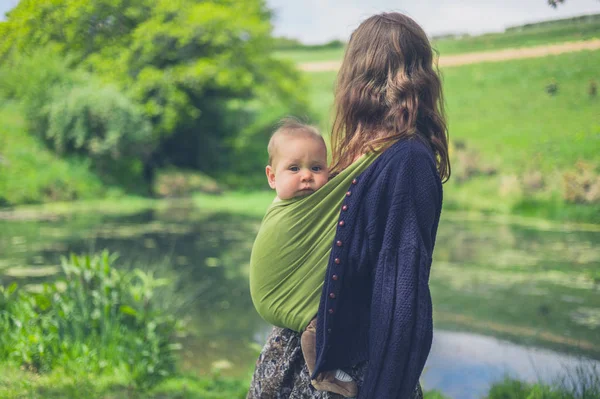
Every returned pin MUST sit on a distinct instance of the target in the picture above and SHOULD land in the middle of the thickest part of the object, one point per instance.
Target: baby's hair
(291, 126)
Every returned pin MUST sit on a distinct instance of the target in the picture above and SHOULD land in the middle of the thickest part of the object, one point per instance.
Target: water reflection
(533, 287)
(464, 365)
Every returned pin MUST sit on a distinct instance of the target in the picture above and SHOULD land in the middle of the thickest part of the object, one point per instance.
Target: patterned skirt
(281, 371)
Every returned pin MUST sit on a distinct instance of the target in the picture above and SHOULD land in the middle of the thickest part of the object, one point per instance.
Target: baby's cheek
(322, 181)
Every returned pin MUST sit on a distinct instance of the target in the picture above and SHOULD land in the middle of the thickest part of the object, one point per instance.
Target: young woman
(375, 314)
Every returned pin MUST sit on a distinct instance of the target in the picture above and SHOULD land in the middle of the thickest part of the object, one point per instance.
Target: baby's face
(299, 167)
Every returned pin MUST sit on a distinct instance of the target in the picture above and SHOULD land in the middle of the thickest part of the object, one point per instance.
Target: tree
(200, 69)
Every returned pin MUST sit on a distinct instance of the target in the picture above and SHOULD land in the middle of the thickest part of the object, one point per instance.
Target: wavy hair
(388, 88)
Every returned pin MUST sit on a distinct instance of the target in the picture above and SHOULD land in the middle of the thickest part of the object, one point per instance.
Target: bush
(173, 183)
(94, 319)
(582, 185)
(75, 113)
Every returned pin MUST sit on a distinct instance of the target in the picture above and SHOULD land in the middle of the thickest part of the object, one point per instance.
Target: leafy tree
(201, 70)
(73, 112)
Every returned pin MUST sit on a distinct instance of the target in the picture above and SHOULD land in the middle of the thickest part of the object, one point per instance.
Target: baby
(297, 160)
(298, 167)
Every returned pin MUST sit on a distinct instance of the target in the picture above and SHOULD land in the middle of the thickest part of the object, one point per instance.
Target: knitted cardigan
(376, 303)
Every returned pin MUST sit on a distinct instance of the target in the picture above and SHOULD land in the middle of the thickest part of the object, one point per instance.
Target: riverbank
(534, 284)
(521, 135)
(252, 204)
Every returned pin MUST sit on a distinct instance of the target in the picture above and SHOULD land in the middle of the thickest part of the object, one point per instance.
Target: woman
(375, 316)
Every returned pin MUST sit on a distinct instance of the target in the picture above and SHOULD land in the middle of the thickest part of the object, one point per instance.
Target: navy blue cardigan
(376, 304)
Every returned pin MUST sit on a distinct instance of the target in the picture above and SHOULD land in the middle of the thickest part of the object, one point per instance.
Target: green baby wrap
(291, 251)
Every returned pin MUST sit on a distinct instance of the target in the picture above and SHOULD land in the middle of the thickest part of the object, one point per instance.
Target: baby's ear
(270, 176)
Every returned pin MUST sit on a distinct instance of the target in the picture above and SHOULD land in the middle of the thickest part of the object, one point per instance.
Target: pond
(508, 299)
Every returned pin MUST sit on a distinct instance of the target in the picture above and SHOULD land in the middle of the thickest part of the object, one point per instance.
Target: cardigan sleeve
(401, 327)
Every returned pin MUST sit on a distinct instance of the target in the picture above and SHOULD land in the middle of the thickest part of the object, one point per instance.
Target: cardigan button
(329, 330)
(354, 181)
(337, 261)
(338, 243)
(349, 193)
(330, 311)
(342, 223)
(332, 295)
(345, 208)
(334, 277)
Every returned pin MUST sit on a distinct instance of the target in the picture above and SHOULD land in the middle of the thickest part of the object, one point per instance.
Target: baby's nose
(306, 175)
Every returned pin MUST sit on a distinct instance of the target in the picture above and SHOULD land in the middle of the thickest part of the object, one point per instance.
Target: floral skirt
(281, 371)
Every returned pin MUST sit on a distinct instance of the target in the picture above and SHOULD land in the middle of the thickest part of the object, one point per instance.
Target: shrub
(582, 185)
(172, 183)
(95, 318)
(75, 113)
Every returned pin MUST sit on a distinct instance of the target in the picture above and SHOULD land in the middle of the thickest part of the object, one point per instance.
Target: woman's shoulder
(408, 153)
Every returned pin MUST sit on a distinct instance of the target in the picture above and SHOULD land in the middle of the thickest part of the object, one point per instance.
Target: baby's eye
(294, 168)
(317, 168)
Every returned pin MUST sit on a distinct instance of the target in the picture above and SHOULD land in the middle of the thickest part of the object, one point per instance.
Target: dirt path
(486, 56)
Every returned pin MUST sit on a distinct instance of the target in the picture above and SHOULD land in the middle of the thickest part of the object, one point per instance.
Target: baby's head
(297, 160)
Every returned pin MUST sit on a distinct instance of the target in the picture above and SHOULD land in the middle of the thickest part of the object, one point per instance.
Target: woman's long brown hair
(388, 89)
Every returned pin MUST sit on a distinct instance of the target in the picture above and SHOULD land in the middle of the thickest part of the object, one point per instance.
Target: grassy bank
(514, 142)
(551, 32)
(30, 173)
(19, 384)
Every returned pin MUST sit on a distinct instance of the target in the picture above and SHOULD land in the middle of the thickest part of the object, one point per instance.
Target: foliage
(555, 3)
(172, 183)
(30, 173)
(76, 114)
(60, 385)
(584, 384)
(435, 394)
(95, 319)
(194, 67)
(286, 43)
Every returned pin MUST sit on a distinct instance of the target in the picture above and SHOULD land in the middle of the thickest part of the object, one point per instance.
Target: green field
(538, 34)
(504, 115)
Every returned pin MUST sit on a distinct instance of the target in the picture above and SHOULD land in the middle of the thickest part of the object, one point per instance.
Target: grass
(104, 206)
(503, 113)
(558, 32)
(503, 110)
(253, 204)
(541, 34)
(311, 55)
(20, 384)
(30, 173)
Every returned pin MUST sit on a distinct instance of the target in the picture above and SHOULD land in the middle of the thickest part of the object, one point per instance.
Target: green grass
(105, 206)
(253, 204)
(19, 384)
(503, 112)
(502, 109)
(527, 37)
(30, 173)
(58, 385)
(311, 55)
(541, 34)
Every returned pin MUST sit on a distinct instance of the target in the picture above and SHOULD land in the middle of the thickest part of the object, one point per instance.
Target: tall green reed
(95, 319)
